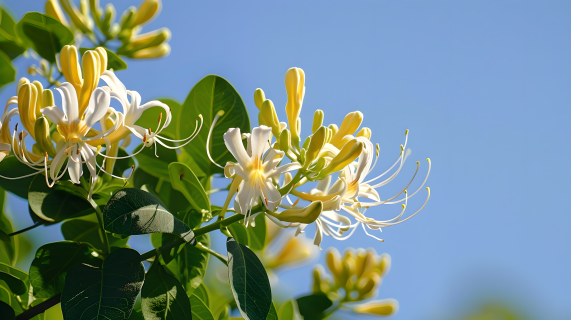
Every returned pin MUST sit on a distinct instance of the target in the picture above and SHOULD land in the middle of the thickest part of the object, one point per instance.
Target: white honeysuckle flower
(255, 169)
(73, 127)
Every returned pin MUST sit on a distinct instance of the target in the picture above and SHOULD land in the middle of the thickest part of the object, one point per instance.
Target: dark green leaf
(113, 60)
(11, 167)
(133, 211)
(190, 264)
(9, 298)
(8, 250)
(200, 310)
(10, 44)
(158, 239)
(17, 286)
(202, 293)
(207, 97)
(104, 293)
(240, 233)
(54, 204)
(249, 281)
(7, 70)
(313, 306)
(162, 189)
(273, 315)
(6, 312)
(150, 117)
(86, 229)
(163, 297)
(53, 260)
(44, 34)
(288, 311)
(185, 181)
(157, 167)
(258, 233)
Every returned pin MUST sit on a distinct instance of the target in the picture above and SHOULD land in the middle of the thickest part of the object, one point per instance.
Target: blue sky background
(483, 87)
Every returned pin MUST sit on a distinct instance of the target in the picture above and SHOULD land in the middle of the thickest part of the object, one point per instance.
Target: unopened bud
(107, 20)
(42, 136)
(334, 262)
(384, 265)
(53, 9)
(315, 145)
(365, 263)
(295, 87)
(154, 52)
(21, 82)
(285, 140)
(349, 126)
(333, 128)
(365, 132)
(268, 117)
(259, 97)
(319, 283)
(293, 252)
(128, 18)
(306, 215)
(78, 19)
(379, 307)
(348, 270)
(146, 40)
(367, 285)
(348, 154)
(147, 11)
(317, 120)
(32, 70)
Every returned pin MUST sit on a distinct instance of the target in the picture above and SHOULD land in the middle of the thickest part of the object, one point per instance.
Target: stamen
(422, 185)
(129, 177)
(150, 130)
(218, 115)
(155, 145)
(296, 202)
(125, 157)
(145, 138)
(370, 235)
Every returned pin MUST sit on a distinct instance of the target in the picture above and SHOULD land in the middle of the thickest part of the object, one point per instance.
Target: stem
(288, 187)
(37, 224)
(40, 308)
(206, 249)
(99, 214)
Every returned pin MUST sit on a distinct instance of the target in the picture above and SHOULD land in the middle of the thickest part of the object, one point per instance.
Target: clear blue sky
(483, 86)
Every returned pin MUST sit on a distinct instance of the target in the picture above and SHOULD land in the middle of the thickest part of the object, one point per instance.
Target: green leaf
(249, 281)
(17, 286)
(240, 233)
(12, 167)
(8, 250)
(288, 311)
(9, 298)
(190, 264)
(44, 34)
(133, 211)
(113, 60)
(313, 306)
(273, 315)
(10, 44)
(104, 293)
(202, 293)
(55, 204)
(158, 239)
(53, 261)
(153, 165)
(163, 297)
(86, 229)
(162, 189)
(7, 70)
(257, 234)
(200, 310)
(185, 181)
(6, 312)
(207, 97)
(6, 293)
(150, 117)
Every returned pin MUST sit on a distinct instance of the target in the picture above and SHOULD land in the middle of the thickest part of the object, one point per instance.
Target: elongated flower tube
(304, 215)
(295, 87)
(73, 129)
(385, 307)
(255, 168)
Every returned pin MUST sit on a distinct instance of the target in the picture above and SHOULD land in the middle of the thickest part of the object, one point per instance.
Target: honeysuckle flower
(254, 169)
(385, 307)
(73, 127)
(295, 87)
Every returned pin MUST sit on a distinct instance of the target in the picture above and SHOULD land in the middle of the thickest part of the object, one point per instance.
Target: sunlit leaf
(185, 181)
(44, 34)
(313, 306)
(163, 297)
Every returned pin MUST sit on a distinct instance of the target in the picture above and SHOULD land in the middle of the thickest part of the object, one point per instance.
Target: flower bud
(306, 215)
(27, 99)
(316, 143)
(365, 263)
(154, 52)
(333, 128)
(293, 252)
(42, 136)
(146, 40)
(365, 132)
(78, 19)
(367, 285)
(285, 140)
(348, 154)
(147, 11)
(384, 265)
(93, 64)
(128, 18)
(317, 120)
(347, 271)
(319, 283)
(295, 87)
(21, 82)
(32, 70)
(107, 21)
(268, 117)
(349, 126)
(334, 262)
(259, 97)
(379, 307)
(53, 10)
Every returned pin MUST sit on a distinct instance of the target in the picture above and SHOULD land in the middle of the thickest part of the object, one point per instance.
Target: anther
(296, 202)
(150, 130)
(160, 116)
(406, 132)
(16, 128)
(145, 137)
(20, 136)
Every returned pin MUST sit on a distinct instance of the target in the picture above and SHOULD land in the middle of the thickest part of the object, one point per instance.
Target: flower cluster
(337, 158)
(66, 137)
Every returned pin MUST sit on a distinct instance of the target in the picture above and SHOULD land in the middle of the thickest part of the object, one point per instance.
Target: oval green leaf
(313, 306)
(15, 279)
(6, 312)
(162, 189)
(11, 167)
(44, 34)
(53, 260)
(7, 70)
(249, 281)
(200, 310)
(8, 249)
(86, 229)
(153, 165)
(207, 97)
(258, 233)
(288, 311)
(104, 293)
(133, 211)
(163, 297)
(185, 181)
(190, 264)
(240, 233)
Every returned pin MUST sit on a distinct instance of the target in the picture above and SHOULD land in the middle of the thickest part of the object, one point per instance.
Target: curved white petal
(285, 168)
(260, 137)
(57, 162)
(233, 141)
(74, 167)
(89, 157)
(69, 102)
(271, 160)
(136, 114)
(98, 105)
(271, 194)
(114, 83)
(53, 113)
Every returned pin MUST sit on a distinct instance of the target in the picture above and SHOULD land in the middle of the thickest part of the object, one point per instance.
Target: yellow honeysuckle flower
(348, 127)
(147, 11)
(315, 144)
(385, 307)
(259, 98)
(53, 9)
(93, 64)
(317, 120)
(295, 251)
(295, 87)
(268, 117)
(79, 19)
(305, 215)
(153, 52)
(365, 132)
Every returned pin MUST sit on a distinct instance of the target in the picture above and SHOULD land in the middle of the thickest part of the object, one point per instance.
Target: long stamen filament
(218, 114)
